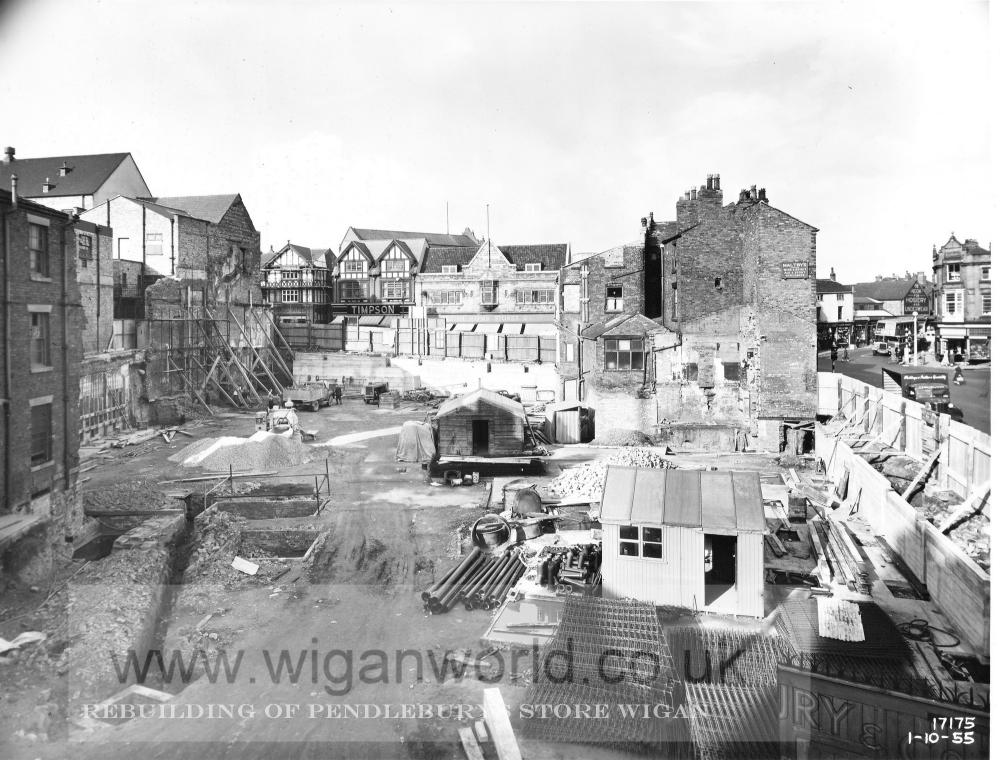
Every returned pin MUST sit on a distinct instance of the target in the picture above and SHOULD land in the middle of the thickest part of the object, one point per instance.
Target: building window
(289, 296)
(570, 352)
(634, 541)
(731, 370)
(623, 354)
(395, 265)
(613, 298)
(953, 301)
(532, 267)
(954, 272)
(691, 371)
(154, 243)
(353, 267)
(840, 296)
(840, 313)
(40, 340)
(353, 290)
(987, 304)
(41, 434)
(38, 249)
(984, 274)
(718, 283)
(395, 290)
(289, 274)
(490, 291)
(86, 245)
(446, 296)
(535, 296)
(449, 269)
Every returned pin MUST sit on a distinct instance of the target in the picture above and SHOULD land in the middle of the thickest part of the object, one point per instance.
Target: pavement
(972, 397)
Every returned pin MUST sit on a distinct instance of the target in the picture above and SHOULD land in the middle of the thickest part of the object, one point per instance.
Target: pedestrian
(846, 358)
(338, 395)
(833, 359)
(959, 377)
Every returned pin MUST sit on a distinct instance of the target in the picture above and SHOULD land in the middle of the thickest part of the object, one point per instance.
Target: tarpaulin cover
(416, 442)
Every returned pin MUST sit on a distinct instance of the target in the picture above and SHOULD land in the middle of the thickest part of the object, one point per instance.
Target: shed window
(623, 354)
(634, 541)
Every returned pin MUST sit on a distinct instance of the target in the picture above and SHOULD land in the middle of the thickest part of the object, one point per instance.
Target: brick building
(963, 299)
(95, 275)
(40, 510)
(704, 329)
(296, 282)
(74, 183)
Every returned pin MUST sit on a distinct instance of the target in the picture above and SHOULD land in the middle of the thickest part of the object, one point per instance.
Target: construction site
(612, 598)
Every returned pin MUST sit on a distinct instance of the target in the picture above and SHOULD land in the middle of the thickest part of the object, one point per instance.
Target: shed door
(480, 437)
(568, 426)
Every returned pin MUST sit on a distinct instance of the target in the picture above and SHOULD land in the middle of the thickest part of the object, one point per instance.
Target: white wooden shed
(687, 538)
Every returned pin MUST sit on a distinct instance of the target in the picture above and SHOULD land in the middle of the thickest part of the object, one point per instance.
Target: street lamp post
(914, 337)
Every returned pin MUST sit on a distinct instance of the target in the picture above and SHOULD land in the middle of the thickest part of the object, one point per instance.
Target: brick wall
(48, 488)
(95, 275)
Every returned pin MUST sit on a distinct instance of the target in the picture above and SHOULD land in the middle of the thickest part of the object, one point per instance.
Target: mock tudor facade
(296, 282)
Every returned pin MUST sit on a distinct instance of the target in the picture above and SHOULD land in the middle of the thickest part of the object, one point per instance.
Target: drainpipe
(172, 220)
(65, 342)
(97, 241)
(6, 346)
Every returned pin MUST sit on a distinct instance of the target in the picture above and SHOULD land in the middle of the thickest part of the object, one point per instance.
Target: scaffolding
(201, 352)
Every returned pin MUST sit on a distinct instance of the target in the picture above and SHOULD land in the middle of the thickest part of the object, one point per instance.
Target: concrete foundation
(266, 509)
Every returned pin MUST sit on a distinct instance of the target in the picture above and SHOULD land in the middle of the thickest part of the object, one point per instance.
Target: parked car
(508, 394)
(881, 348)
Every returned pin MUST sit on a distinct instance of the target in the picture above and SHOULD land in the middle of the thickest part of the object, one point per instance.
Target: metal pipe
(483, 591)
(454, 577)
(451, 594)
(493, 570)
(427, 594)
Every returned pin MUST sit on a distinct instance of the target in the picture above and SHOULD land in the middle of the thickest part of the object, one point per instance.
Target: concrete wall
(957, 585)
(446, 376)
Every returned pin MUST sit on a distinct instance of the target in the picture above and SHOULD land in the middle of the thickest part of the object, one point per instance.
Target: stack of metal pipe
(478, 581)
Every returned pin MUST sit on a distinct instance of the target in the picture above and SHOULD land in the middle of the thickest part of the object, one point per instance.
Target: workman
(338, 394)
(290, 417)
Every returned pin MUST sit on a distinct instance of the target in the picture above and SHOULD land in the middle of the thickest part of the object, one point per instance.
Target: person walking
(833, 358)
(338, 395)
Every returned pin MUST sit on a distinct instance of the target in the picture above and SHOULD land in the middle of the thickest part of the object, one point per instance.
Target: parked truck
(309, 396)
(931, 387)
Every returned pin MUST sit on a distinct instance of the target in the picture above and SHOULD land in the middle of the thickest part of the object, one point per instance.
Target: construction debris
(589, 478)
(839, 619)
(622, 437)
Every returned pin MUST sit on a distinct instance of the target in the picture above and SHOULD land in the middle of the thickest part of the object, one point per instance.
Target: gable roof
(551, 256)
(85, 177)
(208, 208)
(717, 501)
(315, 257)
(432, 238)
(375, 250)
(623, 324)
(486, 396)
(831, 286)
(886, 289)
(442, 256)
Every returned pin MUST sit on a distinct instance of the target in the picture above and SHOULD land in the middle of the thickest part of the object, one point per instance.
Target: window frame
(449, 269)
(399, 284)
(640, 541)
(154, 240)
(290, 295)
(43, 342)
(614, 303)
(987, 304)
(46, 456)
(494, 289)
(984, 273)
(85, 246)
(953, 269)
(533, 267)
(38, 250)
(631, 351)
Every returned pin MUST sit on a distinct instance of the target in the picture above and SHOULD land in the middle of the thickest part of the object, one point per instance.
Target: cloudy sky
(572, 120)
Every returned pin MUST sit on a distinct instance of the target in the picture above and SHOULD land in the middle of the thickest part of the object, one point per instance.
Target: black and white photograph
(498, 380)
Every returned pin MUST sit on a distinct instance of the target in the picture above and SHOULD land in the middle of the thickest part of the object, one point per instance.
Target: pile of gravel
(589, 478)
(273, 452)
(623, 437)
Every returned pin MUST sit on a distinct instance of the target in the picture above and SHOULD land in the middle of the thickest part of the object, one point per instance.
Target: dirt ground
(390, 536)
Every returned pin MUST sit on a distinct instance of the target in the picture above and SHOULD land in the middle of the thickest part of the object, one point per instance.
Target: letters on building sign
(372, 309)
(795, 270)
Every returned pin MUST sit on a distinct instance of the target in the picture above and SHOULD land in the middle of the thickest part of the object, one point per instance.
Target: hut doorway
(480, 437)
(720, 567)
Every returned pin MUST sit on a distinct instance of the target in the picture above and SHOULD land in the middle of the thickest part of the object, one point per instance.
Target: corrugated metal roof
(716, 501)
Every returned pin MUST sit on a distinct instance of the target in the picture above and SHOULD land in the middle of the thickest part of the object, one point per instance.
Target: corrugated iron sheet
(733, 721)
(748, 496)
(718, 504)
(647, 501)
(682, 498)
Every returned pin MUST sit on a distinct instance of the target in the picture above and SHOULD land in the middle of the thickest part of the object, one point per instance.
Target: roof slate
(485, 395)
(831, 286)
(438, 257)
(86, 175)
(886, 289)
(432, 238)
(209, 208)
(550, 255)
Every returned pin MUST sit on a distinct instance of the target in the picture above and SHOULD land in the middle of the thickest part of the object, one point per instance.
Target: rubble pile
(623, 437)
(589, 478)
(936, 507)
(973, 537)
(421, 395)
(129, 495)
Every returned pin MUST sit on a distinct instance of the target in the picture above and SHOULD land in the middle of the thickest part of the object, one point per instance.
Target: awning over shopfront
(543, 329)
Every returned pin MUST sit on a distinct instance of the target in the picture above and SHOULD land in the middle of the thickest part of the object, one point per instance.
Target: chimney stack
(753, 193)
(833, 275)
(8, 155)
(64, 169)
(644, 222)
(921, 278)
(762, 195)
(694, 193)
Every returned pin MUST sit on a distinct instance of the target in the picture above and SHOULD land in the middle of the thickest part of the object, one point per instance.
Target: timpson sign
(829, 717)
(372, 309)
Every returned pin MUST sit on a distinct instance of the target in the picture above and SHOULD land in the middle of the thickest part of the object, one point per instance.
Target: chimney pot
(644, 222)
(694, 193)
(710, 182)
(687, 195)
(762, 195)
(64, 169)
(833, 275)
(46, 186)
(8, 155)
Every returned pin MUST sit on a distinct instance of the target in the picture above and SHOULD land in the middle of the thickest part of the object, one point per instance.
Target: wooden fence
(965, 458)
